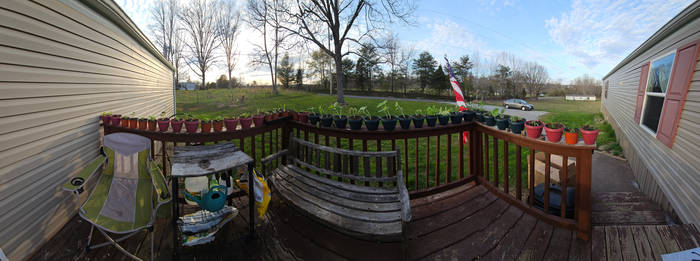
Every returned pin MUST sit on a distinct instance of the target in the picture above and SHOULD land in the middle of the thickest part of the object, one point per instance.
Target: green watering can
(213, 200)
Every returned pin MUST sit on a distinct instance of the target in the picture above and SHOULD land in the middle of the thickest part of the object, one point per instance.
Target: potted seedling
(163, 122)
(456, 117)
(258, 118)
(205, 125)
(218, 124)
(589, 134)
(388, 121)
(404, 120)
(571, 135)
(418, 119)
(231, 123)
(191, 124)
(501, 120)
(125, 122)
(355, 117)
(443, 116)
(517, 124)
(326, 117)
(245, 120)
(480, 113)
(106, 118)
(177, 124)
(554, 131)
(314, 116)
(431, 115)
(152, 123)
(302, 116)
(284, 112)
(133, 121)
(468, 115)
(143, 123)
(339, 119)
(490, 119)
(533, 128)
(371, 122)
(116, 119)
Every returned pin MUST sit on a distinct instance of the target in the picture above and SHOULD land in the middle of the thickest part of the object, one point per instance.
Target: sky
(569, 38)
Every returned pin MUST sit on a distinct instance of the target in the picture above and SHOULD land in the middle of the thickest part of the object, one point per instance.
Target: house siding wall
(62, 64)
(671, 176)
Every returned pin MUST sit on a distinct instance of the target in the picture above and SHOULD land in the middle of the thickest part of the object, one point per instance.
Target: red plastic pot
(206, 126)
(245, 123)
(163, 124)
(303, 117)
(589, 137)
(125, 122)
(177, 125)
(152, 125)
(231, 124)
(191, 126)
(218, 126)
(143, 124)
(571, 137)
(283, 114)
(106, 119)
(116, 119)
(134, 123)
(533, 131)
(258, 120)
(554, 135)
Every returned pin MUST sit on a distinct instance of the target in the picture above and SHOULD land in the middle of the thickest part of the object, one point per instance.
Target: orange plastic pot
(134, 123)
(571, 137)
(125, 122)
(218, 126)
(143, 124)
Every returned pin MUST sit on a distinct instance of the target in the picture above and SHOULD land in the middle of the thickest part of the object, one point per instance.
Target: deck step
(625, 208)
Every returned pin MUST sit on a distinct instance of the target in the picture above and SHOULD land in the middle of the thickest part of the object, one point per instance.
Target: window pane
(652, 112)
(660, 73)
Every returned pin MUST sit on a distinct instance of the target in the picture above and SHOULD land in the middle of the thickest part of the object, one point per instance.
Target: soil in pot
(152, 125)
(143, 124)
(418, 121)
(502, 123)
(405, 122)
(554, 131)
(206, 126)
(326, 121)
(489, 120)
(218, 125)
(340, 122)
(245, 122)
(431, 120)
(571, 136)
(389, 124)
(456, 117)
(589, 134)
(534, 129)
(516, 126)
(468, 116)
(231, 124)
(163, 124)
(258, 120)
(372, 123)
(177, 125)
(355, 122)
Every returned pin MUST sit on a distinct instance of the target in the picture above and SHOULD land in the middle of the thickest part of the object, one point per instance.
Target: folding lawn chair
(127, 195)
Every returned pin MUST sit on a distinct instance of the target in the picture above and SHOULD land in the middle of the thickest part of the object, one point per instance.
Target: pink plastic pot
(258, 120)
(106, 119)
(177, 125)
(191, 126)
(554, 135)
(163, 125)
(231, 124)
(589, 137)
(116, 119)
(533, 131)
(245, 123)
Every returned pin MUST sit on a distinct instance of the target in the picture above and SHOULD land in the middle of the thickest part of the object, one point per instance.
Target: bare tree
(332, 20)
(227, 27)
(535, 77)
(178, 55)
(164, 16)
(391, 51)
(198, 21)
(587, 85)
(266, 18)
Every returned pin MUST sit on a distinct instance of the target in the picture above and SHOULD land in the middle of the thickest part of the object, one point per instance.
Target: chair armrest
(159, 182)
(273, 156)
(404, 197)
(76, 184)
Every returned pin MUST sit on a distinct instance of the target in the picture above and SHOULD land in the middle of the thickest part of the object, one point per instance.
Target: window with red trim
(655, 92)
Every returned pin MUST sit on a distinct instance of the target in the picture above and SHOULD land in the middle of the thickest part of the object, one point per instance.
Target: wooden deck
(464, 223)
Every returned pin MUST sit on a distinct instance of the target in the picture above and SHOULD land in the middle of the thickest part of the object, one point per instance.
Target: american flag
(459, 97)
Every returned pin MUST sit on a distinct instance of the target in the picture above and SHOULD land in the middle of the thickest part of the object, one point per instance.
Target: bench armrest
(159, 182)
(273, 156)
(404, 197)
(76, 184)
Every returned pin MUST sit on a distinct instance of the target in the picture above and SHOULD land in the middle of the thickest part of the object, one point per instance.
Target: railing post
(474, 152)
(583, 194)
(286, 132)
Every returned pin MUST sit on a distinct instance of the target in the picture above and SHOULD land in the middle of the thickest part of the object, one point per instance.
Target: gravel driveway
(529, 115)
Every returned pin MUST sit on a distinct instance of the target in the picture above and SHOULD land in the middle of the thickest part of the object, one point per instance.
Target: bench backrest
(365, 168)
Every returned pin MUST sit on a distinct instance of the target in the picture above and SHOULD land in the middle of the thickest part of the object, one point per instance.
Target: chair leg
(116, 245)
(404, 241)
(87, 248)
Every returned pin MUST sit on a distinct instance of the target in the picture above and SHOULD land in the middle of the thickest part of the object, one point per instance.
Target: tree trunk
(339, 76)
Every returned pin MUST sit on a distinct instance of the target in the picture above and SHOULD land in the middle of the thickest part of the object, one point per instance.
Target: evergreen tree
(424, 67)
(300, 78)
(463, 72)
(439, 80)
(366, 65)
(285, 71)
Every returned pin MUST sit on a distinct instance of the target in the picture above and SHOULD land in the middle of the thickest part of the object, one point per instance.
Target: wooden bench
(359, 193)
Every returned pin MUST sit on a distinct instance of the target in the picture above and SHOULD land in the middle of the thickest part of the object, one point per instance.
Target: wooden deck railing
(435, 158)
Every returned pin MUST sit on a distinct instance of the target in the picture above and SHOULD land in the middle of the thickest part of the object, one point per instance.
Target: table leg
(251, 201)
(176, 214)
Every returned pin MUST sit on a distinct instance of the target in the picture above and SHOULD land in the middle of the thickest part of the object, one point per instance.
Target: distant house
(652, 100)
(580, 97)
(64, 63)
(186, 86)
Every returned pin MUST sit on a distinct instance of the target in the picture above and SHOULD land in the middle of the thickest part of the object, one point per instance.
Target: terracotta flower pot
(191, 126)
(258, 120)
(143, 124)
(218, 126)
(533, 131)
(571, 138)
(302, 117)
(106, 119)
(245, 122)
(134, 123)
(589, 136)
(163, 124)
(231, 124)
(125, 122)
(284, 114)
(177, 125)
(152, 125)
(295, 115)
(554, 135)
(206, 126)
(116, 119)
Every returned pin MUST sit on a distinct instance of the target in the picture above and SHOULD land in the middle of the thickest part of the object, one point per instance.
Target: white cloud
(448, 37)
(604, 32)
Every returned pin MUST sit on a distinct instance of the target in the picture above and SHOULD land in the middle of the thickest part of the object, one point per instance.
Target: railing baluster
(353, 160)
(378, 169)
(366, 161)
(405, 160)
(562, 182)
(518, 173)
(583, 194)
(547, 162)
(415, 181)
(531, 176)
(495, 161)
(337, 156)
(487, 172)
(252, 150)
(461, 155)
(427, 162)
(437, 161)
(505, 166)
(392, 166)
(449, 158)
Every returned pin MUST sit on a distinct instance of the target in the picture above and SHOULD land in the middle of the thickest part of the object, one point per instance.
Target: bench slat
(341, 175)
(344, 151)
(368, 194)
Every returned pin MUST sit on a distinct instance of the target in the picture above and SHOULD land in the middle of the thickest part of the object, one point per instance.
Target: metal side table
(194, 161)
